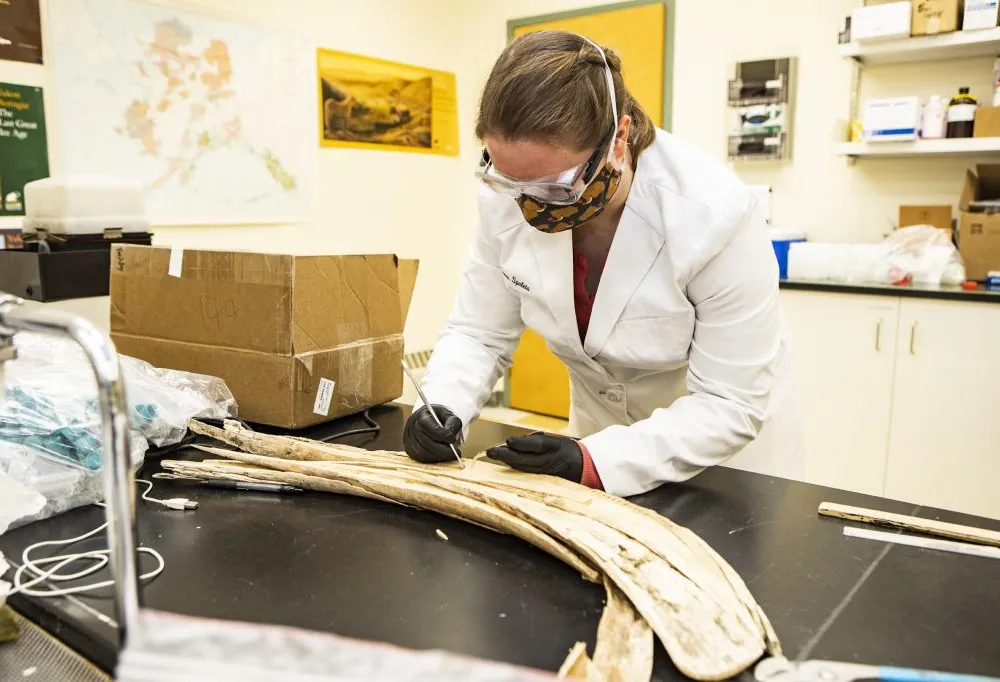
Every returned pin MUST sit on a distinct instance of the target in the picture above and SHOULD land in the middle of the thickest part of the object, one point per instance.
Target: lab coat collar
(636, 245)
(554, 253)
(635, 248)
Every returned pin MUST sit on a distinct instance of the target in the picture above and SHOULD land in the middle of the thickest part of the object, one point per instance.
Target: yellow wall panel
(637, 35)
(538, 381)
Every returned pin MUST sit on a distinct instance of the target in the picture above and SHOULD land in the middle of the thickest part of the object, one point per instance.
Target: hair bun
(614, 61)
(588, 55)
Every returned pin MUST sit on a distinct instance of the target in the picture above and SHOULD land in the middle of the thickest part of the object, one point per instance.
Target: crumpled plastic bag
(50, 422)
(920, 254)
(924, 255)
(17, 500)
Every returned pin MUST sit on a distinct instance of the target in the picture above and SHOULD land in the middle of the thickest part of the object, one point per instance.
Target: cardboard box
(936, 216)
(881, 22)
(981, 14)
(978, 230)
(987, 122)
(892, 119)
(298, 339)
(931, 17)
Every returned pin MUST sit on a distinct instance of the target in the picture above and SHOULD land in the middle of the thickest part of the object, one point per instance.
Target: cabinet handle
(878, 336)
(913, 339)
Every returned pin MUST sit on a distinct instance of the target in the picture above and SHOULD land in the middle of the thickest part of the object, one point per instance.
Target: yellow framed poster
(372, 103)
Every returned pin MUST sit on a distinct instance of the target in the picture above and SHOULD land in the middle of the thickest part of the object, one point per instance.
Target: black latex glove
(427, 442)
(542, 453)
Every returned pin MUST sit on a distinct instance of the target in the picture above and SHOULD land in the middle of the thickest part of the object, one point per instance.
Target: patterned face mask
(554, 218)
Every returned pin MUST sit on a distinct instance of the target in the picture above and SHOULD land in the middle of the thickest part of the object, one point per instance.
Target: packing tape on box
(355, 371)
(176, 265)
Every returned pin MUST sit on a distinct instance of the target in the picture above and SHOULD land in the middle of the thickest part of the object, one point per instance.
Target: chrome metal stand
(119, 483)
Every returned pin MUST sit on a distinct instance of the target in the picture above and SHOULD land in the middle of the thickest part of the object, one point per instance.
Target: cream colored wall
(424, 206)
(365, 202)
(817, 192)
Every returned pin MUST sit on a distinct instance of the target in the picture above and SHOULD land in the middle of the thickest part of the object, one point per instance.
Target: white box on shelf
(892, 119)
(981, 14)
(881, 22)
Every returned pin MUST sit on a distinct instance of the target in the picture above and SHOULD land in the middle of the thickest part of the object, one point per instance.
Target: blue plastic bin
(781, 241)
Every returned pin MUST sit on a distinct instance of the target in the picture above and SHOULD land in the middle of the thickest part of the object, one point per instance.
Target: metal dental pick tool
(430, 408)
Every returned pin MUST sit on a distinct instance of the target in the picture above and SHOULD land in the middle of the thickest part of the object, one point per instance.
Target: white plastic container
(996, 82)
(935, 119)
(84, 204)
(981, 14)
(881, 22)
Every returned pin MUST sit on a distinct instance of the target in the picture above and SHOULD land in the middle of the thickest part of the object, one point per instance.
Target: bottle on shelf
(962, 114)
(996, 82)
(935, 120)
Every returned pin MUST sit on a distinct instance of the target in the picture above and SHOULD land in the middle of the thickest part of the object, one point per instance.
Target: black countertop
(366, 569)
(941, 292)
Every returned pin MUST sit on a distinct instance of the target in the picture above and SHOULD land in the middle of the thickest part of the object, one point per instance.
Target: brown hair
(550, 86)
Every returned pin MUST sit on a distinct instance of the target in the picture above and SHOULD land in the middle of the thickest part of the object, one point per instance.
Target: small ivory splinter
(440, 534)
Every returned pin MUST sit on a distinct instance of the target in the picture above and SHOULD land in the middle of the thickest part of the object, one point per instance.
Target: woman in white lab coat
(644, 264)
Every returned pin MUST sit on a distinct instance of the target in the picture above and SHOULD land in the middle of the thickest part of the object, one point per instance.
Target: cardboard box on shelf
(892, 119)
(936, 16)
(987, 122)
(881, 22)
(936, 216)
(298, 339)
(979, 229)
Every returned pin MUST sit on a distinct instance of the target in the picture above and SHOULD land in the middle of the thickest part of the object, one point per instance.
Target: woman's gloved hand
(427, 442)
(542, 453)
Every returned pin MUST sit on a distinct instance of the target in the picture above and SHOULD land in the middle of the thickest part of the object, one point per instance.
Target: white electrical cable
(99, 558)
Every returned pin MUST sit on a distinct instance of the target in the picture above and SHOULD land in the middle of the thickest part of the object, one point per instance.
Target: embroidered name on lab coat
(515, 281)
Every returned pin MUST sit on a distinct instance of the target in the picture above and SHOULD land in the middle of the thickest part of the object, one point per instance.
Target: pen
(280, 488)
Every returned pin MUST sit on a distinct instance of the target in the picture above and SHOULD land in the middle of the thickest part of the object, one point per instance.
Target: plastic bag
(163, 401)
(59, 487)
(50, 422)
(921, 254)
(17, 501)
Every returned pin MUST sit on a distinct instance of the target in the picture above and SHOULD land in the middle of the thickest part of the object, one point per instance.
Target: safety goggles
(562, 188)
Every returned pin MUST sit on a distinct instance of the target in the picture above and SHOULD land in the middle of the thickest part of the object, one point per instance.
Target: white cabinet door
(944, 445)
(845, 348)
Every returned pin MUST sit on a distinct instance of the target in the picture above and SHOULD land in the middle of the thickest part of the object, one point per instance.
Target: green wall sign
(24, 154)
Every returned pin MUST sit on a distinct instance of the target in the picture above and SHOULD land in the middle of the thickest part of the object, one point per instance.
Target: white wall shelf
(957, 45)
(955, 147)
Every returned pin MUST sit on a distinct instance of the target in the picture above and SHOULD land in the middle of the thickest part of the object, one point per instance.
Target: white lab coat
(685, 361)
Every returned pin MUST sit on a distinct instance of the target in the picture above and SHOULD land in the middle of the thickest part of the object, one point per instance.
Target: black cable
(373, 428)
(164, 450)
